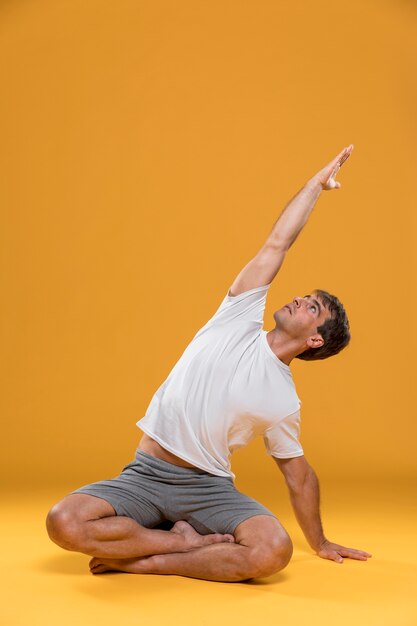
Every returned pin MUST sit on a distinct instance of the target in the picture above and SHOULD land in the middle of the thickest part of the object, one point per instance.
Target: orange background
(146, 150)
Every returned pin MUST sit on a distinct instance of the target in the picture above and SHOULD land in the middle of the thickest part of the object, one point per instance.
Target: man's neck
(284, 347)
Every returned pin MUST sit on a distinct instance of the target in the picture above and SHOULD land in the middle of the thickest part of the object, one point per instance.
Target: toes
(219, 538)
(99, 569)
(96, 565)
(226, 537)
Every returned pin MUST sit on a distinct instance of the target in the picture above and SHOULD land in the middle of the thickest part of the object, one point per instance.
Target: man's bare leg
(262, 547)
(88, 524)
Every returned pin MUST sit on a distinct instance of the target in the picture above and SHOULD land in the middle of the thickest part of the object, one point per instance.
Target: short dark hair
(335, 331)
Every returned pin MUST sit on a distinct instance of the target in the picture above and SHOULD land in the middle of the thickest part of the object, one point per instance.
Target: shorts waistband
(140, 455)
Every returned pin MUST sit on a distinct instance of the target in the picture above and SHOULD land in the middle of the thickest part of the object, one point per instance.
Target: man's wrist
(314, 184)
(317, 545)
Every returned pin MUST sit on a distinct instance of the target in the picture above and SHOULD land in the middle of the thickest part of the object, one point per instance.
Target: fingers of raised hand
(342, 156)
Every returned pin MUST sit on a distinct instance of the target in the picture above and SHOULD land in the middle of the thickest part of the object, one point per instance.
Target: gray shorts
(152, 492)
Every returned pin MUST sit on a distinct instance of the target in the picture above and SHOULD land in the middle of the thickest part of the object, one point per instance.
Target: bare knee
(64, 528)
(270, 556)
(269, 546)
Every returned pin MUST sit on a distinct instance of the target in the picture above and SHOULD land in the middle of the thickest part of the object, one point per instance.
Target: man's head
(318, 322)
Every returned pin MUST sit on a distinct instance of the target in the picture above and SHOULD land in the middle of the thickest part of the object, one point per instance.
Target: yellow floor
(43, 584)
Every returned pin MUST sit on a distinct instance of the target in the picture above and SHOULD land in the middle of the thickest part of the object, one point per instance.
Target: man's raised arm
(264, 266)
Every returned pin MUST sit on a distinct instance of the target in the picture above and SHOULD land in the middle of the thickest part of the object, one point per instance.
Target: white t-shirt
(227, 388)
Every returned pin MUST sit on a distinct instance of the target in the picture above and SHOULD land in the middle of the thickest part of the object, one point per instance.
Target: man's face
(301, 317)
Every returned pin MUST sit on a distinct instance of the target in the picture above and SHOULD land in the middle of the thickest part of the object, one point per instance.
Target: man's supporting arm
(305, 500)
(303, 486)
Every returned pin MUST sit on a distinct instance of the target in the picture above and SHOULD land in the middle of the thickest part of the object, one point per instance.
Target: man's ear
(315, 341)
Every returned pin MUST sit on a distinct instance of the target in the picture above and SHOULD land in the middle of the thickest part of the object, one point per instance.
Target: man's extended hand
(326, 176)
(334, 552)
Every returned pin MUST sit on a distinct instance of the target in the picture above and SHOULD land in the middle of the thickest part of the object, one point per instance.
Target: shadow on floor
(67, 563)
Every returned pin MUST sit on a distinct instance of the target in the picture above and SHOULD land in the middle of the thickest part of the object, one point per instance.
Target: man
(232, 383)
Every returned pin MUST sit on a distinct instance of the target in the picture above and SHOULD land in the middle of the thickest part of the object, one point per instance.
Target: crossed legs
(259, 547)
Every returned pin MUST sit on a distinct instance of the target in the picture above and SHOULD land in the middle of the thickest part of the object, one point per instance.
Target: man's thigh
(212, 504)
(83, 507)
(132, 494)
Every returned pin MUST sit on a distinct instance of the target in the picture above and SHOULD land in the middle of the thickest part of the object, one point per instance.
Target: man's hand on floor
(335, 552)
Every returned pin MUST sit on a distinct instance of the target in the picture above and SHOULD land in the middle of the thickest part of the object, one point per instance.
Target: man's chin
(278, 319)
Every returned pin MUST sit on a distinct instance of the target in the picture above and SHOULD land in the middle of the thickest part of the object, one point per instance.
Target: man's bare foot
(194, 539)
(143, 565)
